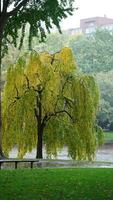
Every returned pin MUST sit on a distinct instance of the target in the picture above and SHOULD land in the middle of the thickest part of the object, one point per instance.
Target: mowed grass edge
(108, 136)
(56, 184)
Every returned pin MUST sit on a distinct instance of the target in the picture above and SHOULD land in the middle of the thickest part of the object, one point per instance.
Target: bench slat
(18, 161)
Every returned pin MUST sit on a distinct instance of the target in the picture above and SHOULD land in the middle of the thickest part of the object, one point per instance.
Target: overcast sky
(86, 9)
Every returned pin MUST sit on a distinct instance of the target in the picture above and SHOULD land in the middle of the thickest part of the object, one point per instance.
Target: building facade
(89, 25)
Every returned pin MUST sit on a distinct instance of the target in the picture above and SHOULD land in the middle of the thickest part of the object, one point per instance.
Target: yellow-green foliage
(69, 99)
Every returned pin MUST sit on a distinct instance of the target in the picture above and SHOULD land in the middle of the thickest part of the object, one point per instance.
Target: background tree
(50, 43)
(47, 102)
(38, 15)
(105, 115)
(94, 52)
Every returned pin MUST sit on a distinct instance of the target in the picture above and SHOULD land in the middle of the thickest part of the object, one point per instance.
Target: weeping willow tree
(47, 103)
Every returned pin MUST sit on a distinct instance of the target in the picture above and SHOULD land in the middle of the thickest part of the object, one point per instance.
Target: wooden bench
(16, 161)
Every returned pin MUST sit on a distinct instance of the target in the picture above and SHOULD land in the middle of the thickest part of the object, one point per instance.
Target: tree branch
(47, 117)
(17, 97)
(22, 36)
(15, 10)
(62, 89)
(36, 115)
(5, 5)
(28, 85)
(63, 111)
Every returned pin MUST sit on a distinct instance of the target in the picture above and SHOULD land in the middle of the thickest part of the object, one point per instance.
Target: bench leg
(31, 164)
(16, 165)
(0, 165)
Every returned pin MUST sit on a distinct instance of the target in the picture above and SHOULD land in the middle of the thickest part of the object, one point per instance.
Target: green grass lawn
(108, 136)
(56, 184)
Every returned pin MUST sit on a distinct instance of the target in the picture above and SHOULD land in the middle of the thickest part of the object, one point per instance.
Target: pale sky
(88, 8)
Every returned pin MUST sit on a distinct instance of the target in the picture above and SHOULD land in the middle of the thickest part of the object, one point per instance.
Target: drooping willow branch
(54, 114)
(62, 89)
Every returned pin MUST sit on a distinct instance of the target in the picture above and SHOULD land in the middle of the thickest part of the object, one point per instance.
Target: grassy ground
(56, 184)
(108, 136)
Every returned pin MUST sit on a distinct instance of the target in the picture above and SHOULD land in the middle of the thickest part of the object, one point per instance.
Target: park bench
(16, 161)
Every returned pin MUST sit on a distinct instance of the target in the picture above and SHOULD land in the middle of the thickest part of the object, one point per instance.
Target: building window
(90, 23)
(90, 30)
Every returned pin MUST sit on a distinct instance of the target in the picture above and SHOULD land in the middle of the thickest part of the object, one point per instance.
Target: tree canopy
(46, 100)
(98, 44)
(37, 16)
(34, 16)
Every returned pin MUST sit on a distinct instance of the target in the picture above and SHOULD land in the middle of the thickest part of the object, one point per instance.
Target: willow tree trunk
(39, 152)
(40, 125)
